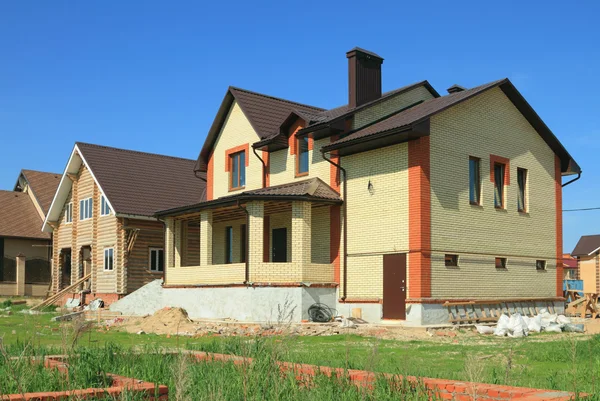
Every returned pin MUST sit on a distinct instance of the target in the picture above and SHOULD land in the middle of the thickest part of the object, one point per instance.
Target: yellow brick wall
(320, 248)
(377, 221)
(395, 103)
(490, 124)
(283, 165)
(235, 132)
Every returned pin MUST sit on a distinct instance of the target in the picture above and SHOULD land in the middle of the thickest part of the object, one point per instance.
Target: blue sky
(150, 75)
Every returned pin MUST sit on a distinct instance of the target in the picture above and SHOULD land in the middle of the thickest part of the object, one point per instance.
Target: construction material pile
(520, 326)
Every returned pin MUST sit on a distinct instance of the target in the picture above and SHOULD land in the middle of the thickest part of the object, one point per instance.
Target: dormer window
(302, 156)
(237, 170)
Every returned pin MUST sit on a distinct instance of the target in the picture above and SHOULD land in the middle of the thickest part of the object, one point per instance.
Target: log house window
(86, 209)
(109, 259)
(104, 207)
(69, 213)
(157, 260)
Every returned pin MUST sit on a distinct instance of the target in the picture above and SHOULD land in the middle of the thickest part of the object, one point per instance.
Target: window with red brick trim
(499, 169)
(237, 170)
(302, 159)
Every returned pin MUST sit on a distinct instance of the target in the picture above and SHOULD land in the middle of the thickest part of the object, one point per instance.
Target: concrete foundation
(256, 304)
(371, 312)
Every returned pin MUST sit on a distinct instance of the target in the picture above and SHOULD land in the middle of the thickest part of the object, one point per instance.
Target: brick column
(301, 233)
(177, 241)
(20, 275)
(169, 242)
(256, 212)
(206, 242)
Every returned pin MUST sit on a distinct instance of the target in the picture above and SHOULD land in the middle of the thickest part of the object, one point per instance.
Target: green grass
(571, 363)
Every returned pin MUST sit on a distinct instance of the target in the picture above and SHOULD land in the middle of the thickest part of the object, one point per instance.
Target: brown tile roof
(266, 113)
(414, 114)
(139, 183)
(43, 185)
(312, 189)
(18, 216)
(586, 245)
(329, 115)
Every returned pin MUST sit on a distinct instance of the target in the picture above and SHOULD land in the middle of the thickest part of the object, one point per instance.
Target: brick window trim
(234, 150)
(494, 159)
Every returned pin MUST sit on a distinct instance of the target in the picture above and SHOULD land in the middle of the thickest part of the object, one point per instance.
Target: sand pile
(165, 321)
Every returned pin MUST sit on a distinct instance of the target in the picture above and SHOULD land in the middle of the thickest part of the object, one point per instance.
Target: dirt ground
(175, 321)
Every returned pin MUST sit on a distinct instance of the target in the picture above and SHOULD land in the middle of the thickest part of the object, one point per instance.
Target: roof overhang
(242, 198)
(380, 140)
(76, 160)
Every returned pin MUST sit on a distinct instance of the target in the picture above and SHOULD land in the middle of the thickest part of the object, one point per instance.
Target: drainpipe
(573, 180)
(345, 232)
(247, 269)
(264, 174)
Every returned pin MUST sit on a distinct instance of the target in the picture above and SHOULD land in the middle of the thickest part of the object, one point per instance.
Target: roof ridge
(134, 151)
(39, 171)
(277, 98)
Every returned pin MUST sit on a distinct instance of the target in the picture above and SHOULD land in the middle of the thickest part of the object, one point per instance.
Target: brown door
(394, 286)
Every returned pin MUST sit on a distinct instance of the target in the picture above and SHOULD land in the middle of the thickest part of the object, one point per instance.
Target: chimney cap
(356, 50)
(456, 88)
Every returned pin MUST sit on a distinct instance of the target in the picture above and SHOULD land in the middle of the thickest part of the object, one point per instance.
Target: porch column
(177, 247)
(256, 212)
(206, 242)
(20, 274)
(169, 242)
(301, 233)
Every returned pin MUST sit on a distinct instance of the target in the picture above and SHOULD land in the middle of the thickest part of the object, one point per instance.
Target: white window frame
(150, 267)
(86, 209)
(104, 260)
(104, 207)
(69, 213)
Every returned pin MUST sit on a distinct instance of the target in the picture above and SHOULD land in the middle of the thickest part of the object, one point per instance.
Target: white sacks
(514, 326)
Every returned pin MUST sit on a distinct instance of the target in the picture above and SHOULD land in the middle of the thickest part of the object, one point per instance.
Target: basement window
(540, 265)
(451, 260)
(109, 256)
(157, 260)
(500, 263)
(69, 213)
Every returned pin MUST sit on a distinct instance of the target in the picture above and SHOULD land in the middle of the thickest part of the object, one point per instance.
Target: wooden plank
(48, 301)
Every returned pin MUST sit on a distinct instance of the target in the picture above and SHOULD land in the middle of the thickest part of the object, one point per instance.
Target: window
(104, 207)
(500, 263)
(69, 213)
(157, 260)
(474, 181)
(499, 169)
(451, 260)
(522, 195)
(85, 208)
(109, 255)
(243, 243)
(237, 170)
(228, 244)
(540, 265)
(302, 156)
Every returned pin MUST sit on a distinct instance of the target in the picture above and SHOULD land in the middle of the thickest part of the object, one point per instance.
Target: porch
(254, 242)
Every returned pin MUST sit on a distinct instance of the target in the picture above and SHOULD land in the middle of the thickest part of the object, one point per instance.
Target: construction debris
(520, 326)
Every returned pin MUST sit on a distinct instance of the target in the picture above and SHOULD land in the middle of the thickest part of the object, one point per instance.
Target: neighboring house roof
(587, 245)
(134, 183)
(310, 190)
(420, 112)
(18, 216)
(569, 262)
(43, 185)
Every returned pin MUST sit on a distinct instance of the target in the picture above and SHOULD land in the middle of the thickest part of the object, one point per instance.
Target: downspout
(573, 180)
(345, 232)
(264, 174)
(247, 268)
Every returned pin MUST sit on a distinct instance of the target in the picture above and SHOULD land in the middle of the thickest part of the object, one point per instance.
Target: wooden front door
(394, 286)
(65, 263)
(279, 245)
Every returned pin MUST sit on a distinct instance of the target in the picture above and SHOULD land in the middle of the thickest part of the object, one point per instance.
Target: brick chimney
(364, 76)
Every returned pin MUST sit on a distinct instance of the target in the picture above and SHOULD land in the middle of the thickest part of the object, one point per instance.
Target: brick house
(102, 222)
(391, 204)
(22, 212)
